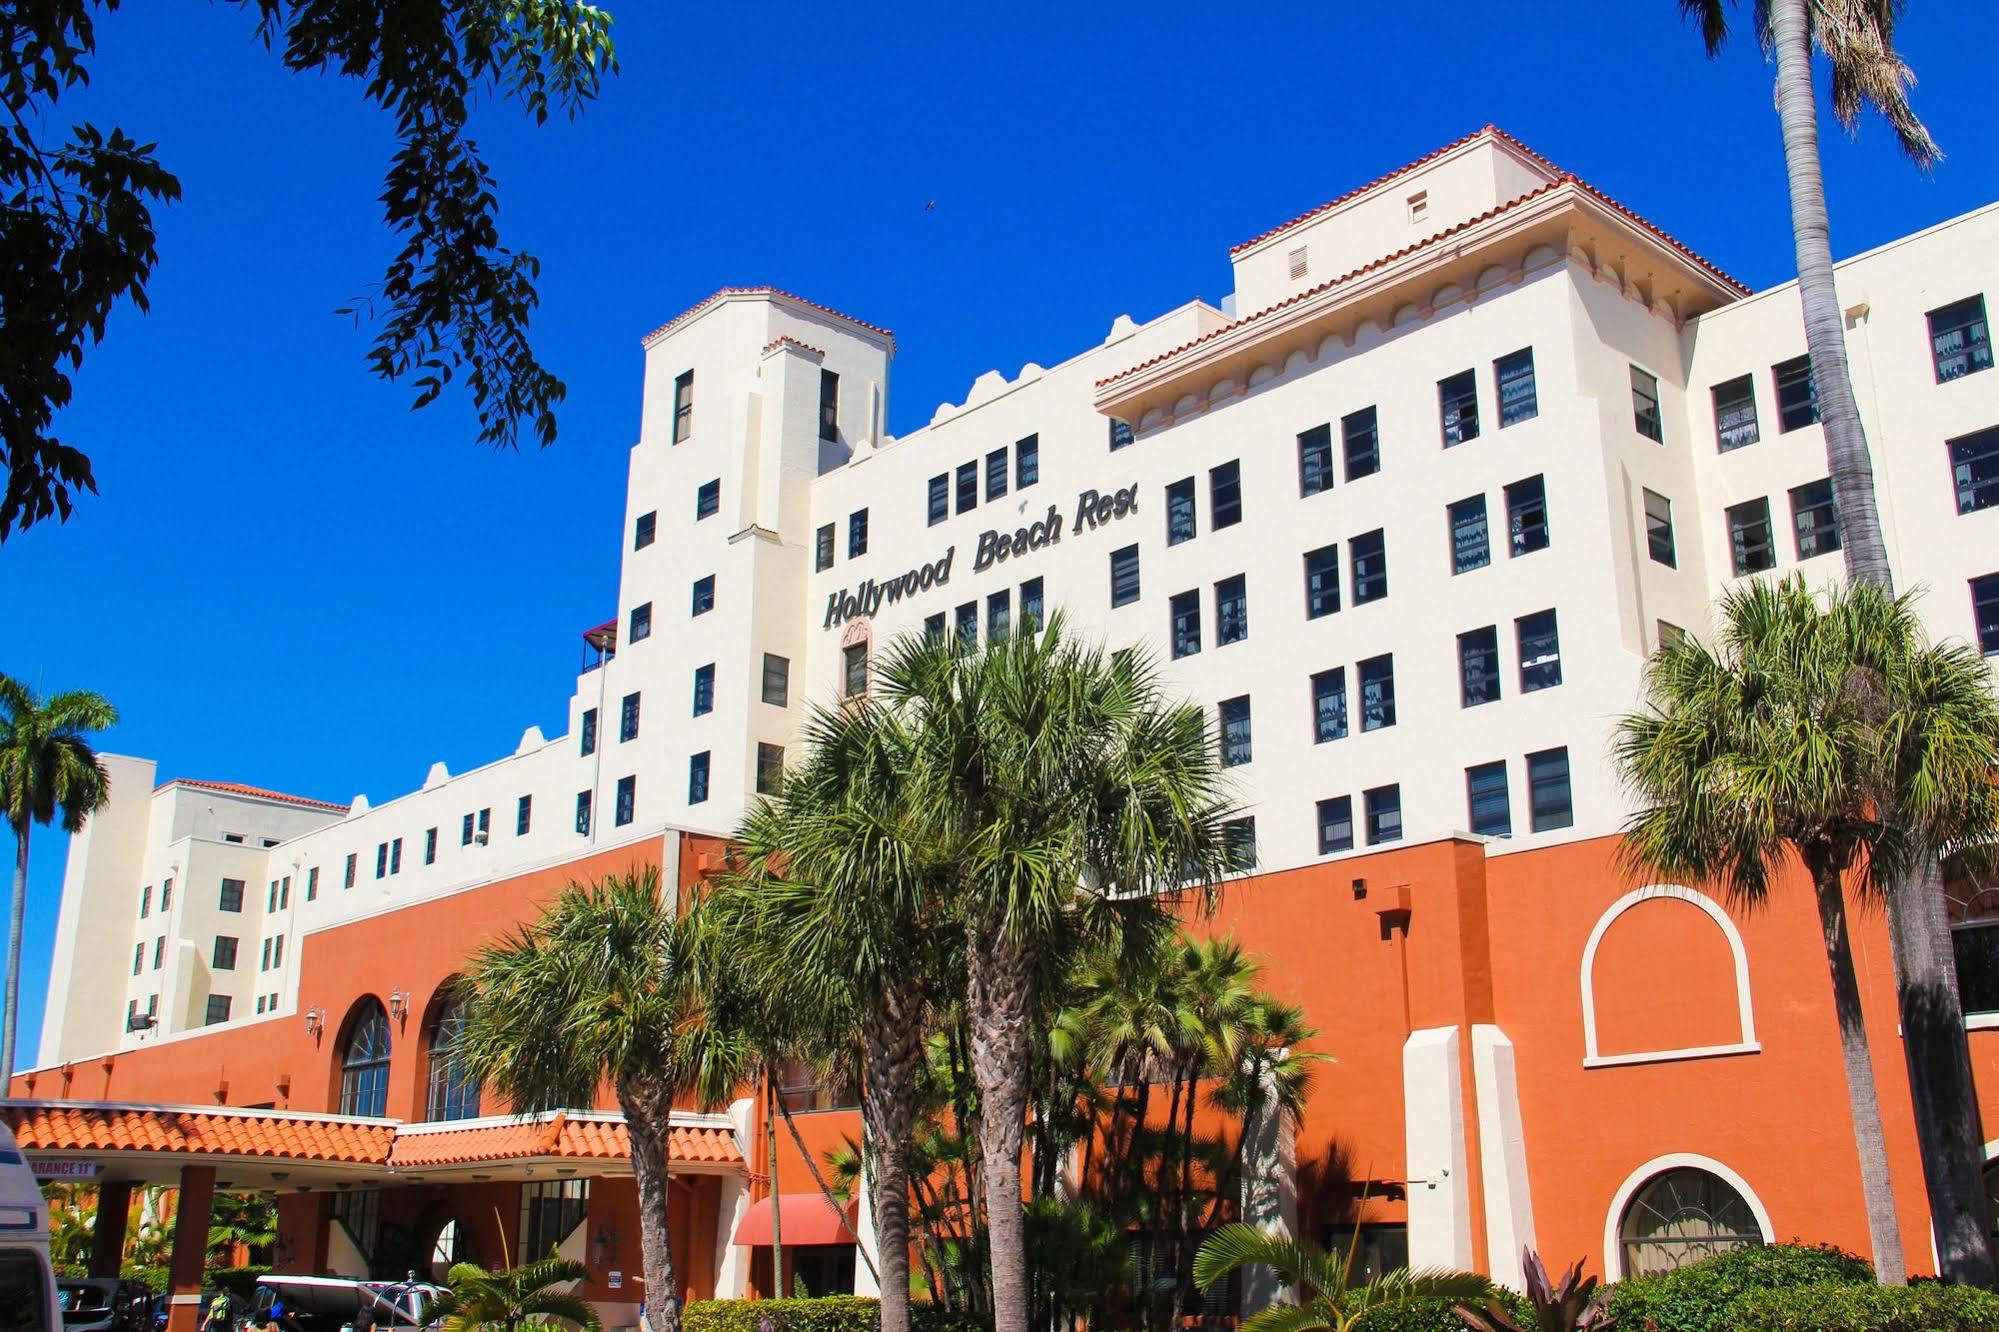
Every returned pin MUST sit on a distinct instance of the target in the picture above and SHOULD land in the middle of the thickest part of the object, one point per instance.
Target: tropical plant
(1857, 39)
(46, 766)
(603, 988)
(72, 1222)
(480, 1300)
(1329, 1295)
(246, 1219)
(1572, 1304)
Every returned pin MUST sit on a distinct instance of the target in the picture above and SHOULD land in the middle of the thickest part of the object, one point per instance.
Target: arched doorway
(1681, 1215)
(364, 1061)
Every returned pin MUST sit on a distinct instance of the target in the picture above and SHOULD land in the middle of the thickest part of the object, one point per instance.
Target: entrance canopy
(809, 1218)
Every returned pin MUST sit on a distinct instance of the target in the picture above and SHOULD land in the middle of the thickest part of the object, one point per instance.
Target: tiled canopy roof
(255, 792)
(588, 1138)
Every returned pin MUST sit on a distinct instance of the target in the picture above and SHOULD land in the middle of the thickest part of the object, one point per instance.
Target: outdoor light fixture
(399, 1004)
(315, 1021)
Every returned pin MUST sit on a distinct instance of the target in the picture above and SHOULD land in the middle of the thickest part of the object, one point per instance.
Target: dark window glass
(1315, 460)
(999, 614)
(218, 1009)
(704, 689)
(704, 594)
(854, 670)
(224, 956)
(353, 859)
(940, 498)
(933, 626)
(1749, 542)
(232, 895)
(1735, 414)
(1960, 339)
(1814, 520)
(1360, 438)
(364, 1063)
(829, 405)
(1185, 608)
(1383, 805)
(1335, 825)
(967, 617)
(1797, 393)
(1322, 581)
(1471, 539)
(1124, 576)
(1478, 666)
(683, 407)
(312, 876)
(1234, 714)
(968, 486)
(523, 815)
(453, 1093)
(1026, 462)
(1329, 705)
(1120, 434)
(822, 549)
(583, 813)
(1985, 612)
(1659, 529)
(1231, 610)
(641, 624)
(1548, 790)
(777, 680)
(1540, 651)
(645, 530)
(626, 808)
(708, 500)
(1377, 692)
(1974, 470)
(429, 858)
(996, 474)
(1030, 605)
(1367, 554)
(1181, 524)
(1225, 495)
(697, 778)
(1457, 403)
(138, 960)
(857, 533)
(1514, 374)
(1645, 405)
(628, 719)
(1485, 796)
(770, 768)
(1239, 845)
(381, 860)
(588, 735)
(1527, 516)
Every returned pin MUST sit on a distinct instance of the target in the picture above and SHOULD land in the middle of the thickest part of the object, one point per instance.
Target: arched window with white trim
(364, 1061)
(1680, 1216)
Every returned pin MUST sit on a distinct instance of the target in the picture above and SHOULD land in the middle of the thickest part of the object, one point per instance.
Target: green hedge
(830, 1313)
(1923, 1307)
(1433, 1315)
(1699, 1296)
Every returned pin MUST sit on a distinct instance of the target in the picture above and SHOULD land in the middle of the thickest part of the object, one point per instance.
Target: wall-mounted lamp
(315, 1021)
(399, 1004)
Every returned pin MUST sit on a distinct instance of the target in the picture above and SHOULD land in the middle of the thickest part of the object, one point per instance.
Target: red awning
(809, 1218)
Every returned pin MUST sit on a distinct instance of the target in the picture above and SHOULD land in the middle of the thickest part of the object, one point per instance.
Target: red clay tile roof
(559, 1135)
(786, 340)
(56, 1126)
(258, 792)
(699, 306)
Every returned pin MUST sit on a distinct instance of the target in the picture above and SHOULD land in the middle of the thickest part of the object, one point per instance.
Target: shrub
(1430, 1315)
(830, 1313)
(1696, 1298)
(1828, 1307)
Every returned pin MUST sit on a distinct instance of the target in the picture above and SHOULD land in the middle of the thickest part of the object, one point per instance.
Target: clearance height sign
(1094, 509)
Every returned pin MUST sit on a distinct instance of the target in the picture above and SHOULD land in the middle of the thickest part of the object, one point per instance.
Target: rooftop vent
(1297, 258)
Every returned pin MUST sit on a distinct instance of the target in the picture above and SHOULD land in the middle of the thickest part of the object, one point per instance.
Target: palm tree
(46, 764)
(246, 1219)
(1065, 793)
(1857, 39)
(505, 1300)
(1331, 1297)
(603, 987)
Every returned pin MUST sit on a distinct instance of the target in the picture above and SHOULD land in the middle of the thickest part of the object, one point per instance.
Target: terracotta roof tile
(699, 306)
(576, 1138)
(54, 1126)
(258, 792)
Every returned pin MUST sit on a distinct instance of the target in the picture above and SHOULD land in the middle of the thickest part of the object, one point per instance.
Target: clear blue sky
(289, 579)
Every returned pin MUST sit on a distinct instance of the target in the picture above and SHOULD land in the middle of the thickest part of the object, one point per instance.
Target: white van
(27, 1281)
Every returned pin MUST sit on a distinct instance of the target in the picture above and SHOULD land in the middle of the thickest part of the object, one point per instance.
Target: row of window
(1021, 462)
(1752, 540)
(822, 541)
(965, 624)
(146, 898)
(1526, 525)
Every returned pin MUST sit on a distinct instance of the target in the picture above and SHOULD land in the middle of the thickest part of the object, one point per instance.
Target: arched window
(453, 1093)
(1682, 1215)
(446, 1251)
(364, 1062)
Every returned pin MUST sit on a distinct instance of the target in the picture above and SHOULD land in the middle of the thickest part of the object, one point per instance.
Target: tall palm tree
(603, 987)
(1067, 793)
(46, 765)
(1857, 39)
(1331, 1298)
(481, 1300)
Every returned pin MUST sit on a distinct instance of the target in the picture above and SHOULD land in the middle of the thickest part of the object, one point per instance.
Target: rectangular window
(224, 956)
(1960, 339)
(1749, 542)
(1121, 435)
(628, 801)
(1234, 716)
(1471, 539)
(1225, 495)
(523, 815)
(166, 895)
(278, 951)
(1797, 393)
(1814, 520)
(1335, 825)
(1030, 605)
(1124, 576)
(1239, 845)
(857, 533)
(312, 875)
(1329, 705)
(968, 486)
(708, 499)
(159, 951)
(822, 549)
(1322, 581)
(1185, 610)
(588, 737)
(381, 860)
(770, 768)
(829, 406)
(940, 498)
(628, 719)
(1659, 529)
(1383, 805)
(138, 959)
(1670, 634)
(1974, 470)
(353, 859)
(582, 813)
(683, 407)
(1377, 692)
(1478, 666)
(1367, 556)
(1315, 460)
(1735, 414)
(1486, 800)
(1548, 790)
(1985, 613)
(1026, 462)
(854, 670)
(485, 824)
(429, 858)
(218, 1010)
(996, 474)
(1181, 523)
(697, 778)
(1360, 439)
(1514, 374)
(145, 901)
(966, 618)
(641, 624)
(645, 530)
(1527, 516)
(232, 895)
(777, 680)
(933, 627)
(271, 902)
(396, 856)
(704, 595)
(1231, 610)
(1457, 405)
(1645, 406)
(1540, 651)
(999, 614)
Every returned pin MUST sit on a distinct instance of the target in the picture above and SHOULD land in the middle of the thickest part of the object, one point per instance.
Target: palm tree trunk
(1877, 1191)
(778, 1289)
(888, 1114)
(999, 994)
(648, 1124)
(17, 913)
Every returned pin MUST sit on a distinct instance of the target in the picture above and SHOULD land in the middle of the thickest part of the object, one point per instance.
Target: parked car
(329, 1304)
(104, 1304)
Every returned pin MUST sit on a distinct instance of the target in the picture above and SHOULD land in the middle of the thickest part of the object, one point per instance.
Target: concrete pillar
(107, 1235)
(195, 1210)
(732, 1262)
(1509, 1203)
(1440, 1224)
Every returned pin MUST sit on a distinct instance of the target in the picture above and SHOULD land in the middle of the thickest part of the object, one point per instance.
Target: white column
(1269, 1191)
(732, 1262)
(864, 1226)
(1440, 1232)
(1509, 1203)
